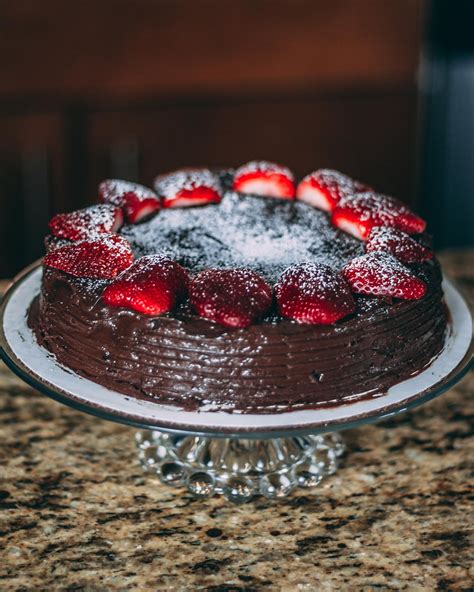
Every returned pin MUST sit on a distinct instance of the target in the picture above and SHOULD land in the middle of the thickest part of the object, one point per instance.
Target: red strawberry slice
(398, 243)
(137, 201)
(268, 179)
(324, 188)
(188, 187)
(380, 274)
(87, 223)
(102, 258)
(153, 285)
(314, 294)
(231, 297)
(357, 215)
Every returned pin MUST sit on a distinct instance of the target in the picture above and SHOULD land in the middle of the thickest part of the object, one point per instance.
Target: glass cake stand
(214, 452)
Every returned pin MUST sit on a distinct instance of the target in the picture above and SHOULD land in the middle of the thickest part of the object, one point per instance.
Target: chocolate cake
(240, 291)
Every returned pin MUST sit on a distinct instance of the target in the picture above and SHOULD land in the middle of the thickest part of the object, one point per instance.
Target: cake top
(265, 235)
(308, 239)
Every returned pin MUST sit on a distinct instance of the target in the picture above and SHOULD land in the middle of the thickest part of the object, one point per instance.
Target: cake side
(268, 367)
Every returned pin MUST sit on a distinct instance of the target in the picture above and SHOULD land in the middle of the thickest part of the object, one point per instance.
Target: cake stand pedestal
(241, 468)
(214, 452)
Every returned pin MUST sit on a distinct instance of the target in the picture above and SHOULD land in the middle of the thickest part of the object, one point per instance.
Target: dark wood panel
(134, 87)
(53, 162)
(32, 184)
(124, 49)
(370, 137)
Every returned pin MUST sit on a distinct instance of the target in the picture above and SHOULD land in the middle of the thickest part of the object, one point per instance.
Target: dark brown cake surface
(273, 365)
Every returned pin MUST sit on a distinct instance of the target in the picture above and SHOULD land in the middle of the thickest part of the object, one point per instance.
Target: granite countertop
(78, 513)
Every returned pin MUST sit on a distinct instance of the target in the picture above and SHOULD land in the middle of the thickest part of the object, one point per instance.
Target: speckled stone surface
(77, 513)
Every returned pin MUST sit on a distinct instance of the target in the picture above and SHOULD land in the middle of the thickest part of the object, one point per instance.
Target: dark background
(131, 88)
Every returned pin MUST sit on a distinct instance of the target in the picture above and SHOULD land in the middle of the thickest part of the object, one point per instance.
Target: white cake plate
(236, 454)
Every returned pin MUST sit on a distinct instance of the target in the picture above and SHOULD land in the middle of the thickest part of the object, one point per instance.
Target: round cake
(242, 291)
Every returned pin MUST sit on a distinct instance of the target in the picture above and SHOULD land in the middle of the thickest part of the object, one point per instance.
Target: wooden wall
(135, 87)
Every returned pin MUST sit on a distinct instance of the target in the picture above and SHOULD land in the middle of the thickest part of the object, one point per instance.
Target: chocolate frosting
(274, 365)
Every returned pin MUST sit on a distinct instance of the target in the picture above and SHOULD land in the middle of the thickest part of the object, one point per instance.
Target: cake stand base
(240, 468)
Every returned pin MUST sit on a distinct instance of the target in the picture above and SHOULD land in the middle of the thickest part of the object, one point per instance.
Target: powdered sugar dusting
(86, 223)
(118, 245)
(335, 183)
(313, 293)
(380, 274)
(367, 205)
(373, 209)
(313, 278)
(232, 297)
(266, 235)
(114, 190)
(171, 184)
(103, 258)
(263, 166)
(401, 245)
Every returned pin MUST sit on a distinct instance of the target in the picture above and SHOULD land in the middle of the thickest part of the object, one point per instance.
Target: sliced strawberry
(102, 258)
(137, 201)
(232, 297)
(260, 177)
(153, 285)
(357, 215)
(87, 223)
(324, 188)
(398, 243)
(188, 187)
(314, 294)
(380, 274)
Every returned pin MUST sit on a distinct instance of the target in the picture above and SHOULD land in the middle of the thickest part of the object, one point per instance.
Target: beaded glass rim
(36, 366)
